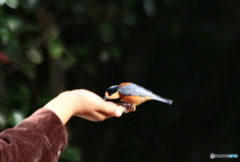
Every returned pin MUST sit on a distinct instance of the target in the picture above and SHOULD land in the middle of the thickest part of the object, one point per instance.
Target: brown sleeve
(41, 137)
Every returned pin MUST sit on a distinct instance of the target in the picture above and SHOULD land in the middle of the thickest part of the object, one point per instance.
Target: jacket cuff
(50, 127)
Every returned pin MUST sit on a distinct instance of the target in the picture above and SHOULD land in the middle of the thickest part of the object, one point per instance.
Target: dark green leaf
(55, 47)
(106, 32)
(12, 3)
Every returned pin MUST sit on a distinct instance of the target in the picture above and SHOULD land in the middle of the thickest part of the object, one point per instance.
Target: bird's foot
(128, 107)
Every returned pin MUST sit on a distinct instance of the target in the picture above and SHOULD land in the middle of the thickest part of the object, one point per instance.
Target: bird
(130, 95)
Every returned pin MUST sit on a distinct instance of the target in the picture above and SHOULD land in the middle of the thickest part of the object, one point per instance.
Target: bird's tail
(161, 99)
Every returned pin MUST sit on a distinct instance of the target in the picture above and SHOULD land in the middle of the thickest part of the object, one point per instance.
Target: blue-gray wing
(134, 90)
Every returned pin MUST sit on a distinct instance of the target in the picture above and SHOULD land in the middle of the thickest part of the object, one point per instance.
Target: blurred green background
(185, 50)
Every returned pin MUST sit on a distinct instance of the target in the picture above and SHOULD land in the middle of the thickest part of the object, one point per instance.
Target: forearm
(84, 104)
(42, 136)
(64, 105)
(63, 115)
(61, 110)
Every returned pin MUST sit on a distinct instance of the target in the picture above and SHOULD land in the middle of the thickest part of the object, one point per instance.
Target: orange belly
(134, 100)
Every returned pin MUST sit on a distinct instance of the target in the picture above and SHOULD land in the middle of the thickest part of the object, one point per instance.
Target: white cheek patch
(106, 95)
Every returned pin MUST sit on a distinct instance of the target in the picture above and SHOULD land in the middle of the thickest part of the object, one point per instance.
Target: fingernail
(118, 113)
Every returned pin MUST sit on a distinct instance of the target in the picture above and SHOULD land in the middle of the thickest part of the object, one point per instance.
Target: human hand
(84, 104)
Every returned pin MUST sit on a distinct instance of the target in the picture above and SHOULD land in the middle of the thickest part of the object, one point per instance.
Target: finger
(95, 116)
(112, 109)
(99, 116)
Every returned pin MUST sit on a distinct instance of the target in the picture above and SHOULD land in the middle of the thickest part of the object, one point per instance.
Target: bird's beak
(104, 98)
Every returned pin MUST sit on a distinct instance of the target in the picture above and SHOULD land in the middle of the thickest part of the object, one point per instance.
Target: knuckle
(64, 93)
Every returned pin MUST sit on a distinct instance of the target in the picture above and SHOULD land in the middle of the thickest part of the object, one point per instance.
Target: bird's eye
(111, 91)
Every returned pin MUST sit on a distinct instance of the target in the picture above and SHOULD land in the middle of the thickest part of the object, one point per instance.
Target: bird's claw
(128, 107)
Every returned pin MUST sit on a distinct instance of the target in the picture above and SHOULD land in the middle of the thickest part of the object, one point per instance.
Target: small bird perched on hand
(131, 95)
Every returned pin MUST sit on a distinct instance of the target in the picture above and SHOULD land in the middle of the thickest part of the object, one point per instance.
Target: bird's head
(112, 93)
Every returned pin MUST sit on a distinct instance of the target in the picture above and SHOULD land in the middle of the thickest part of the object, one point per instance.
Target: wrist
(61, 107)
(79, 101)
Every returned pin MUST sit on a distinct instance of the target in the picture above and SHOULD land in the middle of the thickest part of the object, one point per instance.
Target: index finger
(112, 109)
